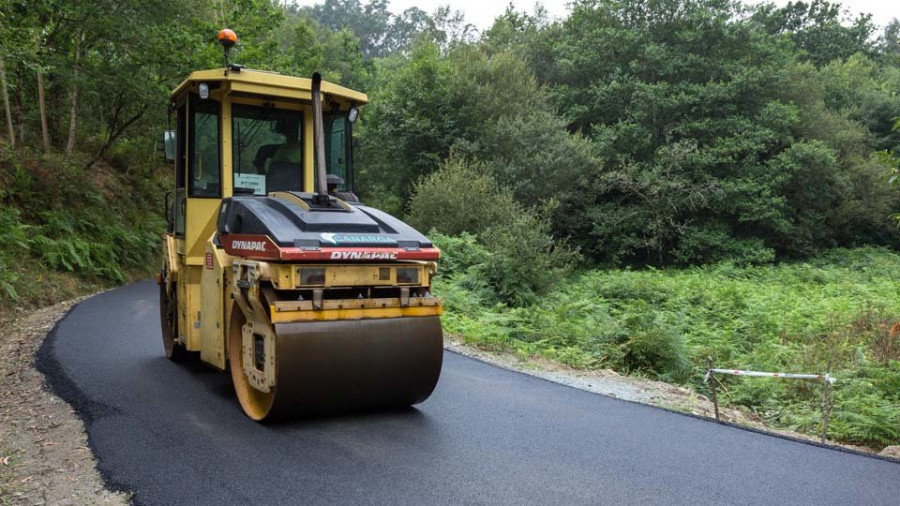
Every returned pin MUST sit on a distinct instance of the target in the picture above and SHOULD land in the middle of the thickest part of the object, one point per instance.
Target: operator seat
(284, 176)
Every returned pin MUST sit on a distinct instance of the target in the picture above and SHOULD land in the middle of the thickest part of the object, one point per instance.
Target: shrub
(459, 254)
(654, 347)
(14, 240)
(519, 257)
(459, 197)
(526, 260)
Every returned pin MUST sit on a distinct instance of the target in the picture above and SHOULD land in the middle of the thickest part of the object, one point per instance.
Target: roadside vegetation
(67, 230)
(637, 186)
(839, 309)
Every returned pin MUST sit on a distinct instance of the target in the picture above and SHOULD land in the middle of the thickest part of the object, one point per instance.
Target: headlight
(312, 276)
(407, 275)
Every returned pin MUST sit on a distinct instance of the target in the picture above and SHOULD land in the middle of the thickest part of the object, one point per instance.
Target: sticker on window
(257, 182)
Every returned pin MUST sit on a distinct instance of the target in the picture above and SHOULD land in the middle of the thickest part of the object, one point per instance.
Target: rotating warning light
(227, 38)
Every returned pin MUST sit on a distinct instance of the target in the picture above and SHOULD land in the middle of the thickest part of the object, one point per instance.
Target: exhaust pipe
(319, 139)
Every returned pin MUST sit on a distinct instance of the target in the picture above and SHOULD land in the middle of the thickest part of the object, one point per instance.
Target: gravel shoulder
(44, 453)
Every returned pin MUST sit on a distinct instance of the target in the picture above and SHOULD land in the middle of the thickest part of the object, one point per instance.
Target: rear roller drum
(168, 312)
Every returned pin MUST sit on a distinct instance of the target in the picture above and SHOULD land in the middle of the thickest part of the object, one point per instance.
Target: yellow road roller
(273, 269)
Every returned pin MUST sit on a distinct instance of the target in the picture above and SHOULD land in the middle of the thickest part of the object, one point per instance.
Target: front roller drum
(338, 366)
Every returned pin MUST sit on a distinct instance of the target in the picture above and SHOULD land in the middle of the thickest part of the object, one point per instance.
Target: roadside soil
(44, 457)
(629, 388)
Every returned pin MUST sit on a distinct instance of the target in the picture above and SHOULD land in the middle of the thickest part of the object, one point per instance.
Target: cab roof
(258, 82)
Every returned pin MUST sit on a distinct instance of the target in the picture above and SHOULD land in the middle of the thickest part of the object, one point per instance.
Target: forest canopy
(643, 131)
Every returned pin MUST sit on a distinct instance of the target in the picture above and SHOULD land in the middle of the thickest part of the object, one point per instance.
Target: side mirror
(169, 145)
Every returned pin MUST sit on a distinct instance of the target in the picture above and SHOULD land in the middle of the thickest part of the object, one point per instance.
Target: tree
(73, 97)
(820, 29)
(6, 109)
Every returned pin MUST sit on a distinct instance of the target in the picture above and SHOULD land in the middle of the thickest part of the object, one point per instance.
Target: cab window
(204, 164)
(267, 149)
(178, 206)
(338, 148)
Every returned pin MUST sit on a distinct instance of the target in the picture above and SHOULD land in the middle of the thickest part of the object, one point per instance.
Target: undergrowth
(837, 310)
(65, 229)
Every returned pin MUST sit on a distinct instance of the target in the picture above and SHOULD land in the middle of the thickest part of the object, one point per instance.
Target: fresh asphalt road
(174, 434)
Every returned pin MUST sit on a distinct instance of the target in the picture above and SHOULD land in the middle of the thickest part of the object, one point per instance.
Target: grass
(836, 310)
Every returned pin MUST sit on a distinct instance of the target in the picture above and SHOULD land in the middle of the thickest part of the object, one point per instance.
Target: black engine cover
(288, 223)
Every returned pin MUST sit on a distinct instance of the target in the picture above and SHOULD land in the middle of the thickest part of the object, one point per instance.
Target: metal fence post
(715, 382)
(826, 405)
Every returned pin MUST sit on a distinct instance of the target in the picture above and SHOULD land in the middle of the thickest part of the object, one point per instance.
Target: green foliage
(522, 260)
(708, 137)
(526, 261)
(460, 197)
(653, 347)
(411, 125)
(667, 131)
(58, 218)
(13, 236)
(818, 29)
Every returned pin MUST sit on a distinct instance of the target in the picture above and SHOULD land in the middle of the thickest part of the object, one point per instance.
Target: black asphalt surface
(175, 434)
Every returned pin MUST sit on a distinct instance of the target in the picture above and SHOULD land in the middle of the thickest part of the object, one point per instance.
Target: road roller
(271, 267)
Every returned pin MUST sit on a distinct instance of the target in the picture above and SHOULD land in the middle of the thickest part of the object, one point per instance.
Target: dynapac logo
(249, 245)
(362, 255)
(355, 239)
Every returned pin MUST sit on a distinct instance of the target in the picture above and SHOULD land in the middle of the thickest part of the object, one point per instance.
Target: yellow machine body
(321, 354)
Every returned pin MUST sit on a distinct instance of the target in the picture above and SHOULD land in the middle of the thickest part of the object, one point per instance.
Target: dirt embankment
(44, 457)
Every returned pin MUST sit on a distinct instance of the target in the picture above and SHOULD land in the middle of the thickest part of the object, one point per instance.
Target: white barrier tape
(738, 372)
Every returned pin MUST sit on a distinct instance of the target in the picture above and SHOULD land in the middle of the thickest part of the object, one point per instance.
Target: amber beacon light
(228, 39)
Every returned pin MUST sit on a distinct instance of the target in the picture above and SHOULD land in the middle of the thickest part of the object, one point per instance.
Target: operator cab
(240, 132)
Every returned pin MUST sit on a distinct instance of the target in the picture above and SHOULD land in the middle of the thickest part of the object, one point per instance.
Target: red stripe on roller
(262, 247)
(354, 254)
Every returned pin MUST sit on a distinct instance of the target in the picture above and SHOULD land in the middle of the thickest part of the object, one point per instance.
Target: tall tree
(73, 98)
(822, 29)
(45, 134)
(6, 109)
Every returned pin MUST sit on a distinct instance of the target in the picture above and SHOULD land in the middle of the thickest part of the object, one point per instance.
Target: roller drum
(355, 365)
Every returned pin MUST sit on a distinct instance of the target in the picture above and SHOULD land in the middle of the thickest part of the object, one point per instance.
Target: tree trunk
(5, 92)
(73, 112)
(19, 116)
(114, 129)
(41, 102)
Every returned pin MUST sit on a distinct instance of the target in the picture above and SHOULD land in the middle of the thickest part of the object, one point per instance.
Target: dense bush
(526, 260)
(460, 197)
(521, 259)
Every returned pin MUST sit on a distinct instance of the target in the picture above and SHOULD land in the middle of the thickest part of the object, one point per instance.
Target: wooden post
(712, 376)
(826, 405)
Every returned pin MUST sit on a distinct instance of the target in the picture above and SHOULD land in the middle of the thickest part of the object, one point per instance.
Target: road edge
(502, 365)
(58, 383)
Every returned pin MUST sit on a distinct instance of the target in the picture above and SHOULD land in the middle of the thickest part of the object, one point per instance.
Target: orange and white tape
(738, 372)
